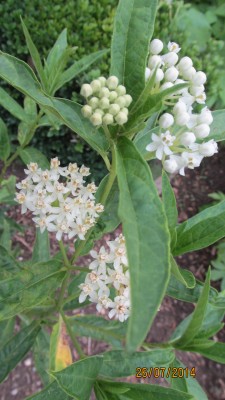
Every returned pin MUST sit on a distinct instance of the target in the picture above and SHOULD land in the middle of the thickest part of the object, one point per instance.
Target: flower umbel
(177, 140)
(59, 199)
(108, 283)
(107, 101)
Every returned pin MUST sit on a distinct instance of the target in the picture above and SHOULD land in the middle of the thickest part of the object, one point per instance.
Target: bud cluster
(179, 139)
(107, 101)
(58, 199)
(108, 283)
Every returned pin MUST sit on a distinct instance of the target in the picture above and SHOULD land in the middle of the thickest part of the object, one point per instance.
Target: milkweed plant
(152, 105)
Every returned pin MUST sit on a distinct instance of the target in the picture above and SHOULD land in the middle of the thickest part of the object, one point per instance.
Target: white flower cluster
(58, 199)
(179, 140)
(107, 101)
(108, 286)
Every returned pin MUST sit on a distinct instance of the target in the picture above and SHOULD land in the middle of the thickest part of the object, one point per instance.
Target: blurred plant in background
(198, 25)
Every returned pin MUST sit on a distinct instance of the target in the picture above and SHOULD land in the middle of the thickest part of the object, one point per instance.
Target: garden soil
(191, 193)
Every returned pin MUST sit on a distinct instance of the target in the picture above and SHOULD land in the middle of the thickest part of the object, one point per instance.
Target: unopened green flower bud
(128, 99)
(86, 90)
(121, 101)
(104, 92)
(113, 95)
(107, 119)
(112, 82)
(93, 102)
(121, 90)
(124, 110)
(114, 109)
(121, 118)
(86, 111)
(99, 111)
(96, 119)
(96, 85)
(104, 103)
(102, 80)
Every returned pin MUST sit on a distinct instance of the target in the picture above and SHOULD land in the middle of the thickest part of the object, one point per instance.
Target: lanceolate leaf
(30, 154)
(183, 275)
(15, 349)
(202, 230)
(99, 328)
(4, 141)
(41, 355)
(57, 50)
(147, 240)
(60, 354)
(12, 106)
(217, 129)
(179, 291)
(20, 75)
(142, 392)
(213, 350)
(41, 250)
(77, 379)
(29, 287)
(51, 392)
(34, 55)
(117, 364)
(79, 66)
(6, 330)
(133, 28)
(196, 318)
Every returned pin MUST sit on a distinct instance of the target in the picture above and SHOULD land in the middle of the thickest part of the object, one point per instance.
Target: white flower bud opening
(156, 46)
(172, 46)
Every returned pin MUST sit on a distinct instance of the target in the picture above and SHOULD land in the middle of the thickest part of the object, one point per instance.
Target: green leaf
(6, 330)
(179, 291)
(196, 319)
(29, 287)
(60, 354)
(183, 275)
(16, 348)
(7, 191)
(51, 392)
(5, 238)
(12, 106)
(8, 265)
(41, 250)
(202, 230)
(99, 328)
(118, 363)
(147, 240)
(34, 55)
(41, 355)
(30, 154)
(187, 384)
(26, 129)
(4, 141)
(143, 138)
(20, 75)
(144, 391)
(169, 201)
(84, 371)
(78, 67)
(57, 50)
(217, 129)
(133, 28)
(213, 350)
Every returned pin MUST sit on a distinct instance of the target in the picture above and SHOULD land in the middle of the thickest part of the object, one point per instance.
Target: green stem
(72, 336)
(65, 258)
(63, 291)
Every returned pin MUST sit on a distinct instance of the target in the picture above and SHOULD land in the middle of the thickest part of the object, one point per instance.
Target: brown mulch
(191, 193)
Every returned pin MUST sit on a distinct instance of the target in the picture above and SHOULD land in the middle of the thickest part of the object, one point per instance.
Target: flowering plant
(151, 106)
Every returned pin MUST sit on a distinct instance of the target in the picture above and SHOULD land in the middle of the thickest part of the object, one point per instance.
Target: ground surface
(191, 193)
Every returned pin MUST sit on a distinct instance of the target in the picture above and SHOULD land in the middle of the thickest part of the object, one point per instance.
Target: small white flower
(172, 46)
(161, 144)
(206, 149)
(120, 308)
(192, 160)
